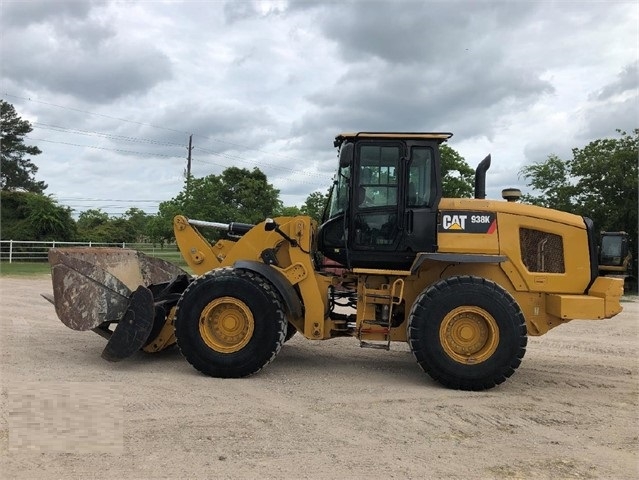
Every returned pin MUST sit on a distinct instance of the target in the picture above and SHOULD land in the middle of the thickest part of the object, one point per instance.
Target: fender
(281, 284)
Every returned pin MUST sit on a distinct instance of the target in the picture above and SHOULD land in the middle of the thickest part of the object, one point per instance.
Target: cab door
(376, 217)
(423, 193)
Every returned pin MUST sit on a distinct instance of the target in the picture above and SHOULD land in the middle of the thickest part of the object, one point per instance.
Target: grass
(24, 268)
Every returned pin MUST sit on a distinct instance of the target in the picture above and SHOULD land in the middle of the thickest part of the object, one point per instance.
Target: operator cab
(383, 205)
(614, 250)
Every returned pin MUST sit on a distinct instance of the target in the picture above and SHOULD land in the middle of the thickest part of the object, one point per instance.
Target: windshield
(339, 197)
(611, 246)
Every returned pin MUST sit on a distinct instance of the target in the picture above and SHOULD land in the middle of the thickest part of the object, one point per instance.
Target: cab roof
(439, 137)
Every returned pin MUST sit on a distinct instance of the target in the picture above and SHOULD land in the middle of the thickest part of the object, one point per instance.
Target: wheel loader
(615, 259)
(462, 281)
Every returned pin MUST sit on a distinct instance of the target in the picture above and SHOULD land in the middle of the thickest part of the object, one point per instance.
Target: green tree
(17, 171)
(138, 223)
(94, 225)
(314, 205)
(90, 220)
(33, 216)
(160, 226)
(552, 178)
(607, 181)
(457, 176)
(115, 230)
(600, 182)
(237, 195)
(283, 211)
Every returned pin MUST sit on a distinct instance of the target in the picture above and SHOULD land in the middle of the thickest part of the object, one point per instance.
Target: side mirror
(346, 155)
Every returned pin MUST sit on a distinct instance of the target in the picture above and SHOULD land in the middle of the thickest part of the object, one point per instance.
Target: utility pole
(188, 166)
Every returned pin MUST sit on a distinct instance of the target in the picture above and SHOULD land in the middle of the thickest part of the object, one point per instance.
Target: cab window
(378, 175)
(420, 189)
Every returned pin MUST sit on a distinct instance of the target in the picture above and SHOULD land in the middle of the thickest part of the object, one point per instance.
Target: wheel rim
(469, 335)
(226, 325)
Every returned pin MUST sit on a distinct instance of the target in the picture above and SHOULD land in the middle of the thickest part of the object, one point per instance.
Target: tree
(248, 194)
(314, 205)
(89, 220)
(552, 177)
(94, 225)
(33, 216)
(599, 182)
(16, 169)
(116, 230)
(138, 222)
(606, 173)
(457, 176)
(237, 195)
(283, 211)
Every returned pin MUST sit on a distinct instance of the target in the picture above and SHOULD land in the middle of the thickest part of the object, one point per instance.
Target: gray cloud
(271, 84)
(403, 71)
(411, 32)
(72, 52)
(17, 13)
(626, 81)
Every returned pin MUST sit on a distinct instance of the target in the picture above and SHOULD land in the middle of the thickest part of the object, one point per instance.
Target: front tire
(230, 323)
(467, 333)
(290, 332)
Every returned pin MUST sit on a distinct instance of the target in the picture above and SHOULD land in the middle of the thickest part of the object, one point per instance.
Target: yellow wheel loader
(462, 281)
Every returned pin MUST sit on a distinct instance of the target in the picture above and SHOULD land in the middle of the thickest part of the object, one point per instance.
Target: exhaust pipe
(480, 178)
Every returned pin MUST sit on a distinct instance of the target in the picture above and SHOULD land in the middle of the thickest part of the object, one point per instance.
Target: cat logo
(467, 222)
(454, 222)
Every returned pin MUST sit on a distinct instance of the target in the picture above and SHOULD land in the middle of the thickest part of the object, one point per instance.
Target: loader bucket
(94, 288)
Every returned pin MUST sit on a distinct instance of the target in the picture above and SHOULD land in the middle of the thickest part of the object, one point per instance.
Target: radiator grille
(541, 251)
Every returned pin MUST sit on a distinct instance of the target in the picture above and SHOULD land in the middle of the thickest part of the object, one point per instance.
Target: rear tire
(467, 333)
(230, 323)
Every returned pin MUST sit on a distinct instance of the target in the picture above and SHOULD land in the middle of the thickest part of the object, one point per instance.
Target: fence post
(10, 251)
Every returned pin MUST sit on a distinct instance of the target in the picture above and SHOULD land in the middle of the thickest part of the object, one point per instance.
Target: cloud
(271, 83)
(21, 13)
(626, 81)
(74, 50)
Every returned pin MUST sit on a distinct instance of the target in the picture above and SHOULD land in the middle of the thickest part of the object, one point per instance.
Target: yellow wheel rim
(469, 335)
(226, 325)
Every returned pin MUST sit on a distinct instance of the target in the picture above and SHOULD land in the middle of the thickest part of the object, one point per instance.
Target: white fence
(27, 251)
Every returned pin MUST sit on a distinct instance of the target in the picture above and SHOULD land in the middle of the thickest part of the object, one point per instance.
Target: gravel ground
(320, 410)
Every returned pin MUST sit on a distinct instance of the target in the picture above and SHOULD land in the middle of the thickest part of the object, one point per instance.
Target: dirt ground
(320, 410)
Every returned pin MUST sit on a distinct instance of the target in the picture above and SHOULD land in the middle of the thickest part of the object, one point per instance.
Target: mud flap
(133, 330)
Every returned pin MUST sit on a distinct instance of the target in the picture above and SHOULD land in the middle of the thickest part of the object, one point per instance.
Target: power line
(102, 148)
(123, 138)
(110, 136)
(237, 158)
(93, 113)
(237, 145)
(81, 199)
(277, 167)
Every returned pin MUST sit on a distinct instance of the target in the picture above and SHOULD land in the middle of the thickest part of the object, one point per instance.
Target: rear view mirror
(346, 155)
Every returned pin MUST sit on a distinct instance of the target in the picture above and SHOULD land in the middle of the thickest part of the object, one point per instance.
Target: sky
(114, 89)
